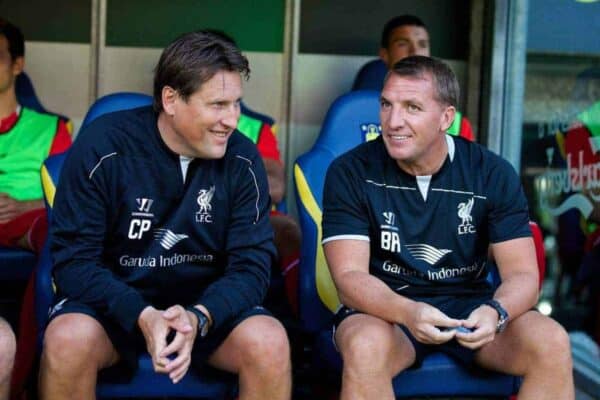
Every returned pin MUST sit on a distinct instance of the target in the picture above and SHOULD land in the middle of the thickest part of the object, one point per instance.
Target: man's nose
(396, 118)
(231, 117)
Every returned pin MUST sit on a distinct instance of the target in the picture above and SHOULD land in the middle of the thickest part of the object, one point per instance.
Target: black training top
(129, 231)
(428, 235)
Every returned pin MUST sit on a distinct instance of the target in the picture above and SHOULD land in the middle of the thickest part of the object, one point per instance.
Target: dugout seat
(145, 383)
(352, 119)
(26, 95)
(370, 76)
(15, 264)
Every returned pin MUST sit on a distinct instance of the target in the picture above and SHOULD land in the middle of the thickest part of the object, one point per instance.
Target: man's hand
(10, 208)
(425, 321)
(155, 329)
(185, 325)
(483, 321)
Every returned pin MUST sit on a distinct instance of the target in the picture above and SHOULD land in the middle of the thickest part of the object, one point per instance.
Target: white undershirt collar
(423, 181)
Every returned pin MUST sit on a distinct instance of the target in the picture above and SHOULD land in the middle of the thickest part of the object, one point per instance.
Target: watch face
(202, 321)
(502, 314)
(501, 324)
(203, 326)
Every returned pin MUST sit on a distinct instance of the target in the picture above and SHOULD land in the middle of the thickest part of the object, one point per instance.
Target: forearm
(11, 208)
(28, 205)
(518, 293)
(362, 291)
(517, 263)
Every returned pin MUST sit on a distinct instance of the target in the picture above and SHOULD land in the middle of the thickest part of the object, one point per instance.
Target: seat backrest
(27, 97)
(371, 76)
(115, 102)
(351, 120)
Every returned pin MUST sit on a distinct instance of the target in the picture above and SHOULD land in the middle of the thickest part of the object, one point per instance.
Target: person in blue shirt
(408, 219)
(161, 239)
(8, 347)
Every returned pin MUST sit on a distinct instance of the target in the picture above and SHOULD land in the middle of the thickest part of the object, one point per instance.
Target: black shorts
(131, 345)
(458, 307)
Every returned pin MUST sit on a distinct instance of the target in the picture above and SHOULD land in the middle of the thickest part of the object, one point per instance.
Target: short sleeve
(509, 213)
(344, 210)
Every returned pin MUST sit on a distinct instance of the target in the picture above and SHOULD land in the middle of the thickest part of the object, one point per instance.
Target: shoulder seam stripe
(389, 186)
(459, 192)
(100, 162)
(255, 185)
(244, 158)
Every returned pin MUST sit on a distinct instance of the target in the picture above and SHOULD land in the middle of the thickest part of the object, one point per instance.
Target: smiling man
(162, 228)
(403, 36)
(407, 222)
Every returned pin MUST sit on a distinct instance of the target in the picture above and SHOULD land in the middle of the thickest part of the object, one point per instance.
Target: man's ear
(18, 65)
(169, 97)
(447, 118)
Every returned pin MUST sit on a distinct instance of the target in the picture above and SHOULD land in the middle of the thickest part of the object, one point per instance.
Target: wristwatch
(202, 321)
(502, 314)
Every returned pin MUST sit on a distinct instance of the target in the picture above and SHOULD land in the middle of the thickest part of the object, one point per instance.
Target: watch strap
(202, 321)
(502, 314)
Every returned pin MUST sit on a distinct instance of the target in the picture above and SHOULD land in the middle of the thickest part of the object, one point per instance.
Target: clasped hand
(172, 358)
(431, 326)
(482, 322)
(426, 324)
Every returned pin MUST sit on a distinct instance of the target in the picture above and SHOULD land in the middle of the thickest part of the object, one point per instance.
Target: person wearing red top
(22, 151)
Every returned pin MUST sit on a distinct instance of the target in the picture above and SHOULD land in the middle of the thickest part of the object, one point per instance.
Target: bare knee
(265, 348)
(7, 348)
(75, 341)
(551, 348)
(366, 347)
